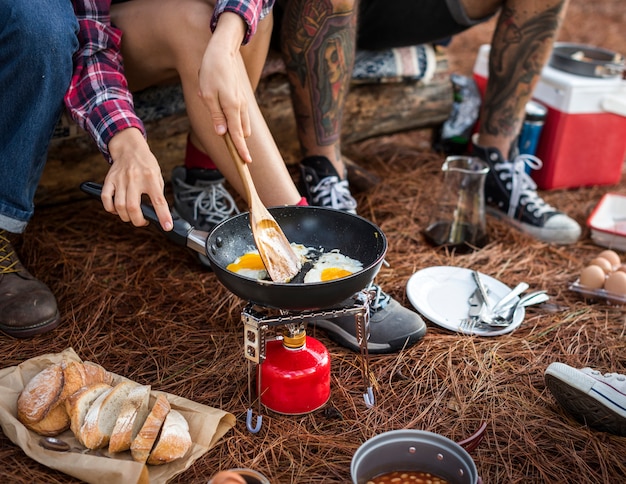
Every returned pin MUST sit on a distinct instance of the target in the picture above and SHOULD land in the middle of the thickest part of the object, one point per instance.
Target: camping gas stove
(260, 328)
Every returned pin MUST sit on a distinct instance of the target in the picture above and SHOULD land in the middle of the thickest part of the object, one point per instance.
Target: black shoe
(392, 326)
(27, 306)
(322, 186)
(511, 193)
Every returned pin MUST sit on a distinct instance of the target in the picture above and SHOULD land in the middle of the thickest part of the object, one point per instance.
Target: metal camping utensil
(516, 291)
(276, 252)
(486, 313)
(502, 320)
(530, 299)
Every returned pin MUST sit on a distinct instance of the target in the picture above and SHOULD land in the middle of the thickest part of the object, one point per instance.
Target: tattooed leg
(318, 44)
(520, 47)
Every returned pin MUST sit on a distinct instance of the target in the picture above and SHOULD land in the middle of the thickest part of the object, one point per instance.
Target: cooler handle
(615, 105)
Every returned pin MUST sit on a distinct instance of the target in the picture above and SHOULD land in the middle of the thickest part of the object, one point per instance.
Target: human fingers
(162, 210)
(107, 194)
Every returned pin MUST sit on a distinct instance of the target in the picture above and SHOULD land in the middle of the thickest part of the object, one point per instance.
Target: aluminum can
(531, 128)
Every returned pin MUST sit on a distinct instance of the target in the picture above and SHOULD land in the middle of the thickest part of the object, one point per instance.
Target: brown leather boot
(27, 306)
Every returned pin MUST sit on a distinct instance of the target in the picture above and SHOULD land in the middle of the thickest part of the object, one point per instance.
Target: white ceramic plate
(441, 295)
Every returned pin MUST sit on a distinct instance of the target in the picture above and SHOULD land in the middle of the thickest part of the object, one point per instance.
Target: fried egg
(251, 265)
(332, 265)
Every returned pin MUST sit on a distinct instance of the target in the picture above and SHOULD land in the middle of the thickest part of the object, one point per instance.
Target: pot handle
(179, 234)
(470, 443)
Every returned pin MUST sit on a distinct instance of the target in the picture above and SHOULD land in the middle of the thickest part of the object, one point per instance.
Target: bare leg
(163, 42)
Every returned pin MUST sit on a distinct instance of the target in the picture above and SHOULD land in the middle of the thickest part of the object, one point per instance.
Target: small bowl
(250, 476)
(413, 450)
(607, 222)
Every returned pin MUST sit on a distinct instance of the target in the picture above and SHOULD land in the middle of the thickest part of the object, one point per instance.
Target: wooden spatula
(280, 260)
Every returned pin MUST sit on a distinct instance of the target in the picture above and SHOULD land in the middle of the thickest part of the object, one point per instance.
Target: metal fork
(471, 323)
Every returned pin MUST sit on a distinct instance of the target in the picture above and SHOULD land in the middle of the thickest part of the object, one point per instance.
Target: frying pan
(316, 227)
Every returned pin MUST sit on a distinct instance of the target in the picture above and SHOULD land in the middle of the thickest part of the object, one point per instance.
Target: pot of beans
(412, 457)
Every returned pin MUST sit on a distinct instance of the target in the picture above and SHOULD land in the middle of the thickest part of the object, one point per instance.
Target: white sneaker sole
(559, 236)
(592, 402)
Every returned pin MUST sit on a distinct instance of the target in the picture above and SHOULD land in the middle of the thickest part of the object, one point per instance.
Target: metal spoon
(530, 299)
(516, 291)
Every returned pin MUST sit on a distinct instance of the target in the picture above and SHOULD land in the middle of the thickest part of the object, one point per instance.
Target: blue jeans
(37, 41)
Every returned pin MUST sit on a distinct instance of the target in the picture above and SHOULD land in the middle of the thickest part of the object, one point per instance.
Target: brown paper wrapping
(206, 426)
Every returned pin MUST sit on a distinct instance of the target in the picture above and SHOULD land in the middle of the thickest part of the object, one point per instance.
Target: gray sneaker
(27, 306)
(392, 326)
(594, 399)
(511, 194)
(322, 187)
(201, 199)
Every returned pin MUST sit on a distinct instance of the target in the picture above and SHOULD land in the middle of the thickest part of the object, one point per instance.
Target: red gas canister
(295, 376)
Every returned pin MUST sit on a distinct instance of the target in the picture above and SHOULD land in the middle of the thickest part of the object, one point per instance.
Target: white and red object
(583, 140)
(607, 222)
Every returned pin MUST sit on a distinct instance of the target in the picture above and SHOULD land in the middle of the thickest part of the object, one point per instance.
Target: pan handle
(183, 233)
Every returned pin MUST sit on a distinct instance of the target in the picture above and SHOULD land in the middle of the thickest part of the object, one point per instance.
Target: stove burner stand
(258, 319)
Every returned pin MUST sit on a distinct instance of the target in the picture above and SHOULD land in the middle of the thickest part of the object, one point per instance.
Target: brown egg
(611, 256)
(603, 264)
(616, 283)
(592, 277)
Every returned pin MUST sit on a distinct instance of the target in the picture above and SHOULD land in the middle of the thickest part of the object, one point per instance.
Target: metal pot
(413, 450)
(586, 60)
(321, 228)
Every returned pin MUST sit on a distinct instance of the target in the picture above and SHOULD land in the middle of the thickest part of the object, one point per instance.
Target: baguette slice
(142, 444)
(174, 440)
(101, 416)
(79, 403)
(40, 395)
(131, 418)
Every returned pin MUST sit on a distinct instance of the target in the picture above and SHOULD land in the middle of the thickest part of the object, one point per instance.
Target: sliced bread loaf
(79, 403)
(131, 418)
(174, 440)
(102, 415)
(142, 444)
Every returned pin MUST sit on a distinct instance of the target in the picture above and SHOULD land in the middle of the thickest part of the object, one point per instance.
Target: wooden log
(371, 110)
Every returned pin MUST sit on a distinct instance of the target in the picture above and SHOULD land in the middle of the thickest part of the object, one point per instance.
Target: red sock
(302, 203)
(194, 158)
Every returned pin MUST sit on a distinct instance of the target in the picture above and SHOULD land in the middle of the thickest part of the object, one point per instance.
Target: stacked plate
(441, 294)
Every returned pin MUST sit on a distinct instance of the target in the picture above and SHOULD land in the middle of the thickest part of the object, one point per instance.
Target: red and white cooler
(583, 140)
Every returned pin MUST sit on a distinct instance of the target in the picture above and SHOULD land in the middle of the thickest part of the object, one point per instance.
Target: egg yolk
(249, 261)
(334, 273)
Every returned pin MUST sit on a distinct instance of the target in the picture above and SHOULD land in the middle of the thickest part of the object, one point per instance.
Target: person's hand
(227, 477)
(135, 171)
(224, 86)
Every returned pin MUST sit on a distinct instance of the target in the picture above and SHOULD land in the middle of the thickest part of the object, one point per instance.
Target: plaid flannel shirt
(98, 98)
